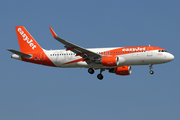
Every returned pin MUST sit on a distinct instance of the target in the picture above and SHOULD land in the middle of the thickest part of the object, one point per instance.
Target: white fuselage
(61, 57)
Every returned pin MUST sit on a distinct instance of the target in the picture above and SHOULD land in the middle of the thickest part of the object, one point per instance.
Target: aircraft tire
(100, 76)
(151, 72)
(90, 70)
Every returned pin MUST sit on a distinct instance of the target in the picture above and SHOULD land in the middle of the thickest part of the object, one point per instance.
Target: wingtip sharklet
(53, 33)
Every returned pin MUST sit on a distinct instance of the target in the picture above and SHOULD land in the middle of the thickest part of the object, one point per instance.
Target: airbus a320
(116, 60)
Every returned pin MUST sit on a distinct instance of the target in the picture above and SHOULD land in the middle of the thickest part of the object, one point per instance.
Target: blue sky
(33, 92)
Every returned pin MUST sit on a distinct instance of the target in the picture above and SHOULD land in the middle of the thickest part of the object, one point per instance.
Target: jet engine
(112, 61)
(123, 70)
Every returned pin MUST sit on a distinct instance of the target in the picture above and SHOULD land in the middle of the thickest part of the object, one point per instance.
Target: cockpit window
(162, 51)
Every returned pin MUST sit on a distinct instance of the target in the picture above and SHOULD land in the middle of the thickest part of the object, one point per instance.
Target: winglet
(53, 33)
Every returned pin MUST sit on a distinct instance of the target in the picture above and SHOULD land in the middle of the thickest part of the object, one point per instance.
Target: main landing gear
(99, 76)
(91, 70)
(151, 71)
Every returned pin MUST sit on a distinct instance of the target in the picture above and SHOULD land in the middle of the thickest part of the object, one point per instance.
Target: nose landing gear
(151, 71)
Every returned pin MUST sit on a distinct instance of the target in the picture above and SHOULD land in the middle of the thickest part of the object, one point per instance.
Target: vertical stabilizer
(27, 43)
(31, 51)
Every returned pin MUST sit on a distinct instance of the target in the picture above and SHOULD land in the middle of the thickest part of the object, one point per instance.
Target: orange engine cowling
(109, 61)
(123, 70)
(112, 61)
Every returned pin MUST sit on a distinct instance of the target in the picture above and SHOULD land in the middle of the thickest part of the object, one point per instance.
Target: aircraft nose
(170, 57)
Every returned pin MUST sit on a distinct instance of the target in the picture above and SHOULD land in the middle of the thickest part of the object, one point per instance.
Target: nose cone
(170, 57)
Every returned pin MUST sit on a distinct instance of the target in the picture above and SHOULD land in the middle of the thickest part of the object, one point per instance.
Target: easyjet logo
(135, 49)
(25, 38)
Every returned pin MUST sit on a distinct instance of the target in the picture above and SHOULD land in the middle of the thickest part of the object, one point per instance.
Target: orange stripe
(37, 58)
(74, 61)
(129, 50)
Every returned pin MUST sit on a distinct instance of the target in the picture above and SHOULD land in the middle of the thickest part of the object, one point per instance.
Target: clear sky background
(34, 92)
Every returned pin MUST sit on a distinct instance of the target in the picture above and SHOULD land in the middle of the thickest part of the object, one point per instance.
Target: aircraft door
(150, 52)
(42, 56)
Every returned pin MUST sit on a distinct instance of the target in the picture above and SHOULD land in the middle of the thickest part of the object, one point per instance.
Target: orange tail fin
(27, 43)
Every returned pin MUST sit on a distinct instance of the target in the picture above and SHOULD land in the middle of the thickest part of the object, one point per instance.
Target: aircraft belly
(82, 64)
(71, 65)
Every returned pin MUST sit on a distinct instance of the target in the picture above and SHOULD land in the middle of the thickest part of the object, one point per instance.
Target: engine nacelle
(123, 70)
(112, 61)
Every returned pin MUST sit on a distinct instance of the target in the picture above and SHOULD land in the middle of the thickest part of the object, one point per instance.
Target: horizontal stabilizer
(20, 53)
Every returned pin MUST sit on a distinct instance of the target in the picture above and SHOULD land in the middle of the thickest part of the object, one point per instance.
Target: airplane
(116, 60)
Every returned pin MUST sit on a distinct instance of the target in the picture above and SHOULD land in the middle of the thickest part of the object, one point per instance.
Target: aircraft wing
(84, 53)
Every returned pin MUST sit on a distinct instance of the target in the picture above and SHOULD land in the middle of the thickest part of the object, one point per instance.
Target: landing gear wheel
(90, 70)
(151, 72)
(100, 76)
